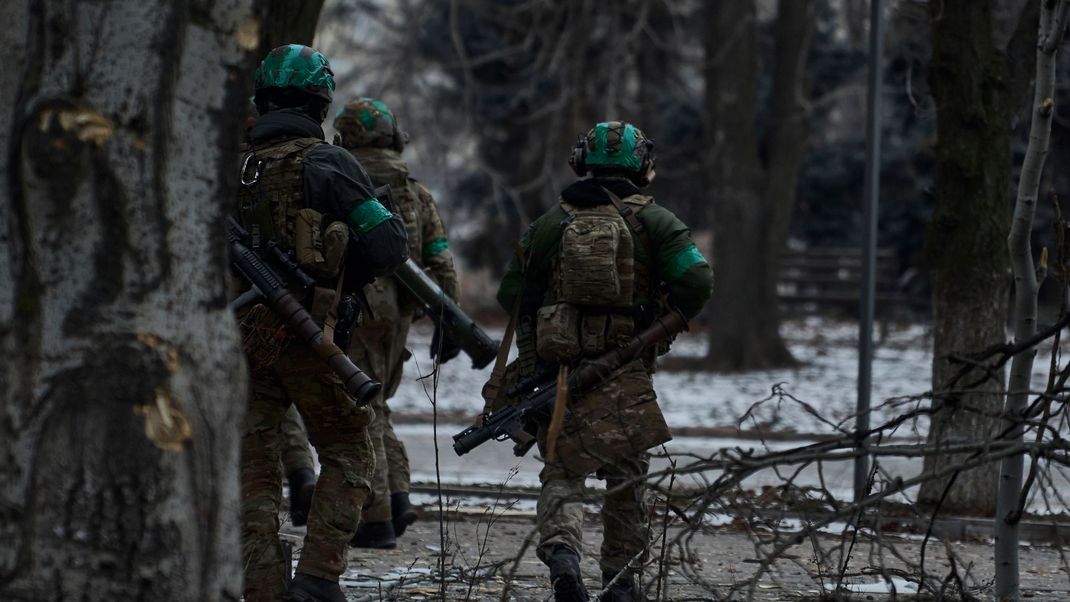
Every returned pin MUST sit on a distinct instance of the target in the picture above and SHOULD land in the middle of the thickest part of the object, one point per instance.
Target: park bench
(831, 277)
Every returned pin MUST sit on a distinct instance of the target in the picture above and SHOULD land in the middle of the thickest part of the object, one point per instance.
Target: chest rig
(272, 190)
(273, 208)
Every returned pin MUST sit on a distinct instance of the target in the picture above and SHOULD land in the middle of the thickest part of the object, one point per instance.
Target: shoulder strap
(634, 224)
(492, 389)
(285, 148)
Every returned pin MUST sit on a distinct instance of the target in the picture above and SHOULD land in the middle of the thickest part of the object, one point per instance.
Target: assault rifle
(453, 322)
(269, 288)
(537, 396)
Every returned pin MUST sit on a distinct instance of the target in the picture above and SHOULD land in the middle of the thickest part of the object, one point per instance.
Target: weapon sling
(492, 390)
(557, 418)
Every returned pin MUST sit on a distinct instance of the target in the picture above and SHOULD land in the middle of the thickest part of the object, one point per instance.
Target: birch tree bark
(967, 262)
(122, 384)
(1053, 15)
(751, 181)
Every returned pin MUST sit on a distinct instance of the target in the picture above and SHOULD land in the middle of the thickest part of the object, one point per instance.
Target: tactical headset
(577, 160)
(398, 138)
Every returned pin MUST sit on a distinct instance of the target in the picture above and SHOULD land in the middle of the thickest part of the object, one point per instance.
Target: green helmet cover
(367, 122)
(296, 66)
(615, 144)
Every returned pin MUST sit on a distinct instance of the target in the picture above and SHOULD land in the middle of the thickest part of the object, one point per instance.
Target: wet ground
(481, 549)
(497, 563)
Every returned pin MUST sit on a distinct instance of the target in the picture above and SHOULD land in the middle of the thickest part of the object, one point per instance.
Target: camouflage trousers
(625, 532)
(379, 349)
(338, 429)
(607, 435)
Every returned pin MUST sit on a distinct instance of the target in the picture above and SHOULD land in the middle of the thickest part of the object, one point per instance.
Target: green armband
(682, 261)
(368, 215)
(435, 246)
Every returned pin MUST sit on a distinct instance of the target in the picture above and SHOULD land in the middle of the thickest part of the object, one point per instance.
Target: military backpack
(594, 284)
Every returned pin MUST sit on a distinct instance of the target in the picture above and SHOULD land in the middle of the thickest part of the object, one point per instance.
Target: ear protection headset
(398, 137)
(577, 159)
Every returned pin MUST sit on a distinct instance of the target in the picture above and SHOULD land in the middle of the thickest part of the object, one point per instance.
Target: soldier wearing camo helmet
(307, 197)
(598, 267)
(368, 129)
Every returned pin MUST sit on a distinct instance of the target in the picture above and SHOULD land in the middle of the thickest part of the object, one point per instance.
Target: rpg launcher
(269, 287)
(536, 397)
(453, 322)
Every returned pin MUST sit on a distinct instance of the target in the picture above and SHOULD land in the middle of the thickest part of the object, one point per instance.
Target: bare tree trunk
(751, 200)
(122, 385)
(968, 265)
(784, 144)
(1026, 285)
(287, 22)
(731, 106)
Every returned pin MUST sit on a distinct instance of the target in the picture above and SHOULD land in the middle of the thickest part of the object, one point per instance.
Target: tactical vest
(273, 189)
(595, 284)
(272, 207)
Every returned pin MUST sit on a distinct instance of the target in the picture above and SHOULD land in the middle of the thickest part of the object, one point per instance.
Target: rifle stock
(294, 315)
(512, 421)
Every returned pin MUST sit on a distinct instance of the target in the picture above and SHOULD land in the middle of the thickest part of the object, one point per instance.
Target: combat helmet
(298, 67)
(368, 122)
(614, 147)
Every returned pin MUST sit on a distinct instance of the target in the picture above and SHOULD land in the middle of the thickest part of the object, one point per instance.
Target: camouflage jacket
(687, 276)
(428, 244)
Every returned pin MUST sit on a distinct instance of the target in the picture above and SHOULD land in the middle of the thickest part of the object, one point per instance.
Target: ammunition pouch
(557, 332)
(319, 251)
(567, 332)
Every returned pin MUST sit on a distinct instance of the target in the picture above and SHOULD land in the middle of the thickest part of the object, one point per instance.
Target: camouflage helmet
(299, 67)
(613, 146)
(368, 122)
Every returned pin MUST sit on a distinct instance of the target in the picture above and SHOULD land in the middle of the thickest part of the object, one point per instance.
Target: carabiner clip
(245, 169)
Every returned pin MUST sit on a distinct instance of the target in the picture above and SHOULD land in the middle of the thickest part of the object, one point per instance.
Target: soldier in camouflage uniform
(292, 179)
(648, 255)
(369, 130)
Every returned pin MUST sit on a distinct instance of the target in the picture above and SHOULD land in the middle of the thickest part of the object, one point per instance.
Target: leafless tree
(122, 383)
(751, 178)
(1027, 280)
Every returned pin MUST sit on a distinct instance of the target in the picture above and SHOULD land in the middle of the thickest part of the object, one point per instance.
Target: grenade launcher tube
(297, 319)
(456, 325)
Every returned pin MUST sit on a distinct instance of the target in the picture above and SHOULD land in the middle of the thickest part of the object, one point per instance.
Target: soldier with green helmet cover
(598, 267)
(315, 203)
(369, 129)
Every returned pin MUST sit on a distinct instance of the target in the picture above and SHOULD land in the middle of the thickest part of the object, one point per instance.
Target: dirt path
(720, 565)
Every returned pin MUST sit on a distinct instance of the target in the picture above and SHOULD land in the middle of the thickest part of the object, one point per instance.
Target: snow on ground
(826, 379)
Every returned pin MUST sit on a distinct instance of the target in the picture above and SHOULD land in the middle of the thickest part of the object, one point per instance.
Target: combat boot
(565, 576)
(378, 535)
(622, 590)
(402, 511)
(302, 484)
(306, 588)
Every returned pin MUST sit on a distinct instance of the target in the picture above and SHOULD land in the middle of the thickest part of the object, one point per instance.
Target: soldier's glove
(443, 348)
